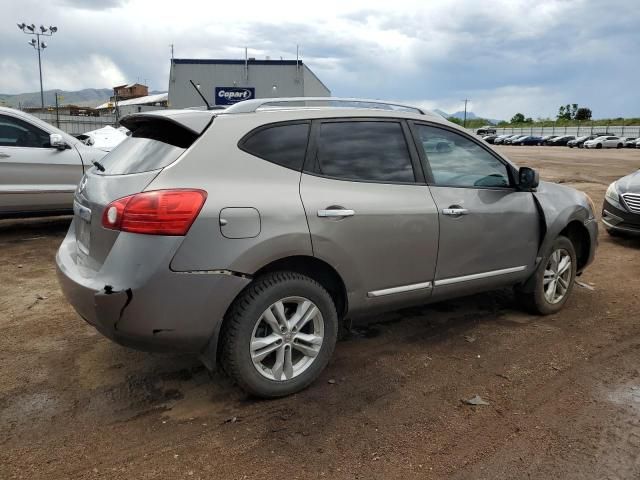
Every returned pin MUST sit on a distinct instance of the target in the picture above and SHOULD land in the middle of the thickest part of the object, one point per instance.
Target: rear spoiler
(194, 121)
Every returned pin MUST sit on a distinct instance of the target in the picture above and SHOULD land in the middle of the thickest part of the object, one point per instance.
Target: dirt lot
(564, 390)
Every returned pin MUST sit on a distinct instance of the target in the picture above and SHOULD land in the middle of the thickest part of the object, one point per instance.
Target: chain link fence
(76, 124)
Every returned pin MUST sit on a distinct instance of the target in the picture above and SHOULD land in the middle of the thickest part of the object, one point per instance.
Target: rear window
(285, 145)
(153, 144)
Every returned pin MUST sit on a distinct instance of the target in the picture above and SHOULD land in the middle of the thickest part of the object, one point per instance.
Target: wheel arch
(312, 267)
(317, 269)
(579, 236)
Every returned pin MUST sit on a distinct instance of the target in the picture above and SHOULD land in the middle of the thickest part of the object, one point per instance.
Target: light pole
(464, 122)
(38, 45)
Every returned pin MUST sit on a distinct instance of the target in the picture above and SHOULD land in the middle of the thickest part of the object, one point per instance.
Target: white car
(105, 138)
(605, 142)
(40, 165)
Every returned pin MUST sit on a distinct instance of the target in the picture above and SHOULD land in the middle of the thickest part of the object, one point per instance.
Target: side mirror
(56, 141)
(528, 178)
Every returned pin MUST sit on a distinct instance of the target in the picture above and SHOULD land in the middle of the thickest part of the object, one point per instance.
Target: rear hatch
(157, 140)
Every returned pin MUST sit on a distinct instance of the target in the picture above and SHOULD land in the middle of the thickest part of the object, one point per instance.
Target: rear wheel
(279, 334)
(619, 145)
(553, 279)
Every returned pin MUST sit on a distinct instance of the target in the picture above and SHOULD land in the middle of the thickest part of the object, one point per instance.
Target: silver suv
(248, 235)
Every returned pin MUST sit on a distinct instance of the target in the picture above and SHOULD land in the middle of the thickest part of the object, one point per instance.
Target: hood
(106, 138)
(630, 183)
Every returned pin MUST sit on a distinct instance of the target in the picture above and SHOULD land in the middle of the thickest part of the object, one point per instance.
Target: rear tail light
(159, 212)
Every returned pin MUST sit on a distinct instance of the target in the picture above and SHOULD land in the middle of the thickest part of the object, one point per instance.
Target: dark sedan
(621, 207)
(490, 138)
(560, 141)
(528, 140)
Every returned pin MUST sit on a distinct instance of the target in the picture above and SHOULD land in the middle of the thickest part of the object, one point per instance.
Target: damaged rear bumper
(147, 307)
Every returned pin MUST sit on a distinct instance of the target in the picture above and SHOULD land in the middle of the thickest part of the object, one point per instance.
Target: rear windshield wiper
(98, 165)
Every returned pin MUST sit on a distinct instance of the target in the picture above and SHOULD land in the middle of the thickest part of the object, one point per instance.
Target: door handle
(455, 211)
(336, 213)
(4, 155)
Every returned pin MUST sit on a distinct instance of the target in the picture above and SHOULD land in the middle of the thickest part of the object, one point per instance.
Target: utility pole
(39, 46)
(464, 122)
(57, 112)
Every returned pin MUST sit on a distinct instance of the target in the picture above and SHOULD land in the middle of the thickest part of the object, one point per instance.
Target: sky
(505, 56)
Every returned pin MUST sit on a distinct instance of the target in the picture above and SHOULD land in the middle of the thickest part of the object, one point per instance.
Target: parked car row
(597, 140)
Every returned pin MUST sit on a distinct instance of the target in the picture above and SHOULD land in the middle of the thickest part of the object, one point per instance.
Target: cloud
(510, 55)
(93, 4)
(85, 73)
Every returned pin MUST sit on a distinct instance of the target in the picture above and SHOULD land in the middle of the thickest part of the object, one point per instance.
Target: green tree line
(570, 115)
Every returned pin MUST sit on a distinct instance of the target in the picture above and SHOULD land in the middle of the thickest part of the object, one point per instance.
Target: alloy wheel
(287, 338)
(557, 276)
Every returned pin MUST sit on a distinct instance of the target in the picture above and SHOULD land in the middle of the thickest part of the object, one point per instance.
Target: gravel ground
(563, 390)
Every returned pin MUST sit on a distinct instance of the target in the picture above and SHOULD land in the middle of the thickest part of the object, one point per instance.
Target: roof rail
(250, 106)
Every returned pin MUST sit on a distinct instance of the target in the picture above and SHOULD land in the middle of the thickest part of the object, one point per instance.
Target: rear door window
(364, 150)
(285, 145)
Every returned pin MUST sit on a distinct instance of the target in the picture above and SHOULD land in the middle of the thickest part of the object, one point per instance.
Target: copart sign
(231, 95)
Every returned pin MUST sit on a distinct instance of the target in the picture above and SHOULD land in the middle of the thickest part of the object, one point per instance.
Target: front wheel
(553, 279)
(279, 334)
(599, 145)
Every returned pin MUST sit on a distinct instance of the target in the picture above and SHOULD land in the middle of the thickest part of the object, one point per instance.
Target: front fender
(560, 205)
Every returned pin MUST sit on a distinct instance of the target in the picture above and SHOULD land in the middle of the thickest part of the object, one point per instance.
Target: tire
(614, 233)
(599, 145)
(619, 145)
(538, 301)
(250, 321)
(539, 143)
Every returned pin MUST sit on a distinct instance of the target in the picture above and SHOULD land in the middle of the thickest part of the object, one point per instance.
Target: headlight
(612, 193)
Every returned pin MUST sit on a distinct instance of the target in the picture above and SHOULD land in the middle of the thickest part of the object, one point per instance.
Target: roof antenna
(197, 89)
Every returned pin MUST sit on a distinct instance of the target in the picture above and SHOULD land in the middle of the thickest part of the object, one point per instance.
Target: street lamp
(38, 45)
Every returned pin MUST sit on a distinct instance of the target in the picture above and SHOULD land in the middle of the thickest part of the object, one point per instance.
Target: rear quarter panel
(233, 178)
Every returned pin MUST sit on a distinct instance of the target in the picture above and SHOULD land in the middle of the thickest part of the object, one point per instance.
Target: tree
(568, 111)
(583, 113)
(564, 113)
(517, 118)
(528, 120)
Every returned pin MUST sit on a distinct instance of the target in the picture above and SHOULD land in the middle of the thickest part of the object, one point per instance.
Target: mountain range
(89, 97)
(460, 115)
